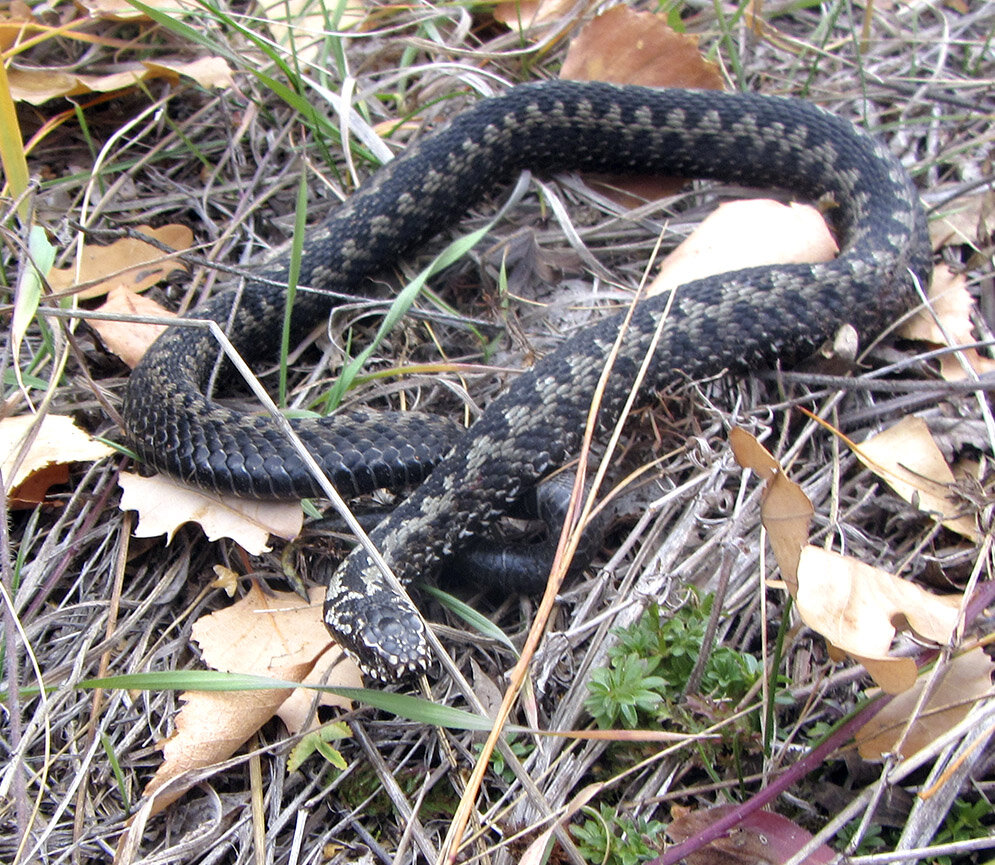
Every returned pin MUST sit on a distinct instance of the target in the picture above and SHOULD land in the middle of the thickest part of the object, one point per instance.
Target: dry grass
(84, 599)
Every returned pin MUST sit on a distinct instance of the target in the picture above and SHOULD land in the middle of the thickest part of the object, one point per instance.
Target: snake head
(383, 632)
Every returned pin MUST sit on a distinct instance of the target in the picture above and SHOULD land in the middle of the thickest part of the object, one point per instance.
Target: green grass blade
(472, 617)
(399, 308)
(412, 708)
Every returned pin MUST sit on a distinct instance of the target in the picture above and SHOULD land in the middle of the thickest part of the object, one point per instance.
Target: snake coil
(737, 321)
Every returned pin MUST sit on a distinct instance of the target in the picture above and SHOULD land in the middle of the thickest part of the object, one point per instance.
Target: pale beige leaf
(38, 85)
(210, 727)
(859, 608)
(524, 15)
(304, 24)
(964, 220)
(127, 262)
(164, 505)
(907, 458)
(948, 323)
(206, 71)
(271, 635)
(966, 680)
(58, 442)
(747, 234)
(122, 10)
(129, 340)
(276, 635)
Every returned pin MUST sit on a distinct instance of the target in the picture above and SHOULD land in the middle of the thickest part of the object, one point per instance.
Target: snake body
(737, 321)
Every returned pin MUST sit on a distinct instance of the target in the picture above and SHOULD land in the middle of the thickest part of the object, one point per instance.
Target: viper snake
(733, 322)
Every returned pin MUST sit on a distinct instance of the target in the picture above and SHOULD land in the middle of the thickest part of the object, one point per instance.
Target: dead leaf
(225, 579)
(128, 262)
(859, 609)
(208, 72)
(785, 510)
(750, 454)
(537, 851)
(275, 635)
(948, 323)
(760, 837)
(967, 679)
(629, 47)
(748, 233)
(129, 340)
(164, 505)
(37, 85)
(968, 220)
(909, 461)
(19, 28)
(304, 24)
(526, 15)
(271, 634)
(57, 443)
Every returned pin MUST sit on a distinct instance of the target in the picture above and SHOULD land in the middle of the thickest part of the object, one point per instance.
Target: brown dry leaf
(967, 679)
(747, 234)
(57, 443)
(785, 510)
(760, 837)
(275, 635)
(628, 47)
(969, 220)
(859, 609)
(750, 454)
(129, 340)
(164, 505)
(272, 634)
(948, 324)
(304, 24)
(127, 262)
(38, 85)
(18, 27)
(908, 459)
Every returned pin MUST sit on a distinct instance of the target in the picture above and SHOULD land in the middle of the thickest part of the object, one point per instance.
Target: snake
(732, 323)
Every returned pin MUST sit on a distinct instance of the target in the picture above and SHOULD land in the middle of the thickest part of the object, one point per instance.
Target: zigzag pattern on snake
(737, 321)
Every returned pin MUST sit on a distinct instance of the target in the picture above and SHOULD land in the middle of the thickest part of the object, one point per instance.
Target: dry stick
(569, 540)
